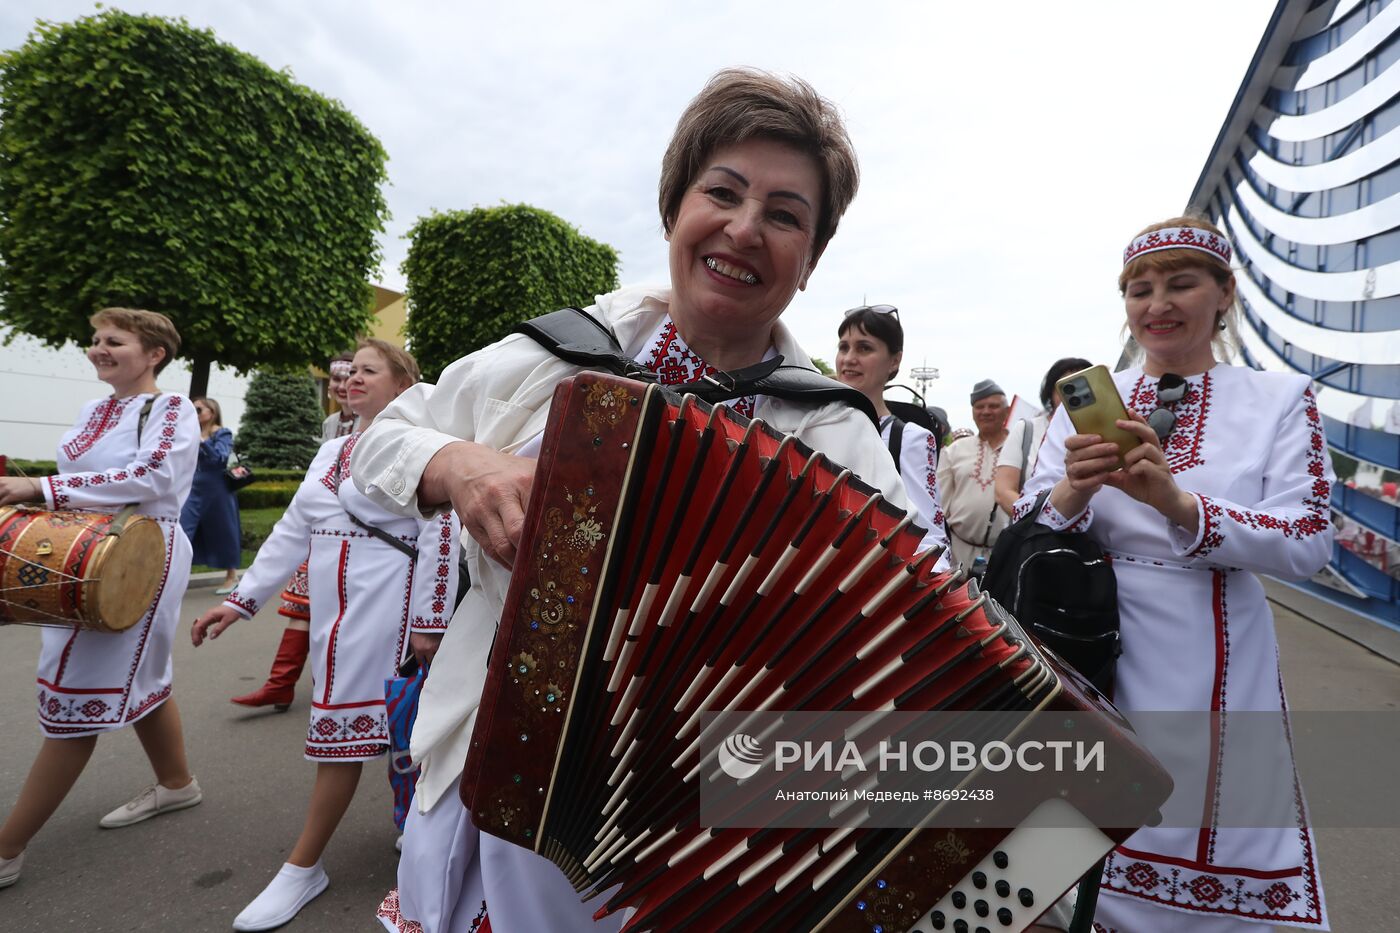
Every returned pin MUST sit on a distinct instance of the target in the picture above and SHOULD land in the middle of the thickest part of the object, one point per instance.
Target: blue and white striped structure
(1305, 179)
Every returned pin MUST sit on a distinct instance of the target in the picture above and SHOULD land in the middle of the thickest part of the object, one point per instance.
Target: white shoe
(153, 801)
(398, 843)
(292, 889)
(9, 870)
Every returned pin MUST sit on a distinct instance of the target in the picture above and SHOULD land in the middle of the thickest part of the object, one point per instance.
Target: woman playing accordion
(754, 181)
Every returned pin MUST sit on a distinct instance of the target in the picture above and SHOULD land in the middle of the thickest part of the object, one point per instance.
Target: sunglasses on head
(875, 309)
(1171, 389)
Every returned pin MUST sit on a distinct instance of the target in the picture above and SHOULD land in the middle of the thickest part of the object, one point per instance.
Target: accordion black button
(982, 930)
(999, 859)
(959, 900)
(939, 921)
(1026, 897)
(1004, 916)
(979, 880)
(959, 926)
(1003, 888)
(983, 908)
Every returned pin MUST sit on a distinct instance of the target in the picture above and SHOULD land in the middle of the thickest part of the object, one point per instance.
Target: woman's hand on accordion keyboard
(19, 489)
(212, 623)
(489, 491)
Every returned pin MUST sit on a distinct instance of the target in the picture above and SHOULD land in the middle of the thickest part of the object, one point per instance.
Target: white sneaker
(292, 889)
(153, 801)
(9, 870)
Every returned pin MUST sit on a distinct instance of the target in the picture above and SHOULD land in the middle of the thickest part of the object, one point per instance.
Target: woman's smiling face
(741, 240)
(1173, 316)
(120, 359)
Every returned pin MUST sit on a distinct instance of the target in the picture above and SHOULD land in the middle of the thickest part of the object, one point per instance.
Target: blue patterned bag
(401, 704)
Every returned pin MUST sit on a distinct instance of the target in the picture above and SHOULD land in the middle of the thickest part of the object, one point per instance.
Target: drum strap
(119, 522)
(464, 579)
(574, 335)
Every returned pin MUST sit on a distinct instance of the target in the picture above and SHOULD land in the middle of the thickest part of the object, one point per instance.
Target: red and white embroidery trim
(676, 364)
(153, 462)
(102, 419)
(438, 609)
(1316, 520)
(340, 469)
(931, 482)
(1183, 445)
(1179, 238)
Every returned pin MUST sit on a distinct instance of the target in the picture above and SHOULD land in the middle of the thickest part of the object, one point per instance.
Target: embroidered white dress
(965, 473)
(452, 878)
(1198, 634)
(91, 682)
(366, 597)
(918, 468)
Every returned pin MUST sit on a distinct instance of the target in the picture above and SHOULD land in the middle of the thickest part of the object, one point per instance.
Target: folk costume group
(753, 184)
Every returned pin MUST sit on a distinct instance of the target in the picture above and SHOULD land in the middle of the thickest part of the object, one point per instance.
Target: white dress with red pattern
(1198, 634)
(89, 681)
(366, 597)
(918, 467)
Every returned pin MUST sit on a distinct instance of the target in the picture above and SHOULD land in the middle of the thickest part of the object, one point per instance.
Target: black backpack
(1061, 588)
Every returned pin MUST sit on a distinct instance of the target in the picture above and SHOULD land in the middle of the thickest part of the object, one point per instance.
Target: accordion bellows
(678, 559)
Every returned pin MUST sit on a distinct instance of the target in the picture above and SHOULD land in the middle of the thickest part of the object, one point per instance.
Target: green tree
(823, 367)
(473, 275)
(145, 163)
(281, 425)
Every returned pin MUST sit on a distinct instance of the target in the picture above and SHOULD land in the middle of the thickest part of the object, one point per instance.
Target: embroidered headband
(1179, 238)
(340, 368)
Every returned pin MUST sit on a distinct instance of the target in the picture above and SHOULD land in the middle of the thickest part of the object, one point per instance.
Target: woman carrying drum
(136, 447)
(371, 602)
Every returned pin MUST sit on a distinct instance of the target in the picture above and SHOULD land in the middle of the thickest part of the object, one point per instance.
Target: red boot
(286, 670)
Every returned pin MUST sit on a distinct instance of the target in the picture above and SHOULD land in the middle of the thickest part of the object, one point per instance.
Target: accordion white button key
(1036, 863)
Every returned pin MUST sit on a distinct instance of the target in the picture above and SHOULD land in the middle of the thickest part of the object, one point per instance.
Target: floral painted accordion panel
(680, 559)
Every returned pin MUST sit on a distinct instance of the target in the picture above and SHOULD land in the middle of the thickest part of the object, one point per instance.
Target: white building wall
(42, 390)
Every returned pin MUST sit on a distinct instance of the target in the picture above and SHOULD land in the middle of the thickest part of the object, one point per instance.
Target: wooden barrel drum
(91, 569)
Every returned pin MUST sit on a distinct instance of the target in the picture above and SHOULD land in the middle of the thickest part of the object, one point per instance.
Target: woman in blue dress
(210, 515)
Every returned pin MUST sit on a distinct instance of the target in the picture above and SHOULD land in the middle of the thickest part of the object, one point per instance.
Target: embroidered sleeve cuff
(1055, 519)
(247, 608)
(432, 626)
(1207, 537)
(46, 488)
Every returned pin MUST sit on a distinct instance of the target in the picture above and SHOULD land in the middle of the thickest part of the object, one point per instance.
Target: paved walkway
(193, 871)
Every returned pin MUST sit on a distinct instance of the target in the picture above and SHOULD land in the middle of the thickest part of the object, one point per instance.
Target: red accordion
(679, 559)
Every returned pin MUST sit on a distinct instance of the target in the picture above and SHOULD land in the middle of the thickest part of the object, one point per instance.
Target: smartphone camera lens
(1072, 401)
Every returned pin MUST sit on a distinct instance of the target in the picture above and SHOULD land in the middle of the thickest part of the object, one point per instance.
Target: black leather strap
(575, 336)
(897, 443)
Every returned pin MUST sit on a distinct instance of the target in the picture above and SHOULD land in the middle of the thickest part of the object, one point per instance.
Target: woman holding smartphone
(1229, 478)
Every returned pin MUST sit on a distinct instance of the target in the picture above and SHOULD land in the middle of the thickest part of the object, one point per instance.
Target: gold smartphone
(1093, 404)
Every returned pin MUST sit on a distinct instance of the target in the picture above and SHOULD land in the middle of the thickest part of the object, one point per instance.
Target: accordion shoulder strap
(575, 336)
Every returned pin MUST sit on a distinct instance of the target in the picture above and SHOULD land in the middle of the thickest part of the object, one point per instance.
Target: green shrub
(16, 467)
(281, 424)
(145, 163)
(257, 524)
(267, 495)
(473, 275)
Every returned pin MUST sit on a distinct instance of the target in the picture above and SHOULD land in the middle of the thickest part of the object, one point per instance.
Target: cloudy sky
(1008, 151)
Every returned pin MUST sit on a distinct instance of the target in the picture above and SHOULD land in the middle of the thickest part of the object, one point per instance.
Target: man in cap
(965, 478)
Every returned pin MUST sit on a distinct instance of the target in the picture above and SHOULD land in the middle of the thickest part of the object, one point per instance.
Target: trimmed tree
(145, 163)
(281, 425)
(473, 275)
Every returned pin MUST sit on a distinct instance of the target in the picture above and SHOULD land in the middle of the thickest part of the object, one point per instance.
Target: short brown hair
(152, 328)
(739, 104)
(401, 362)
